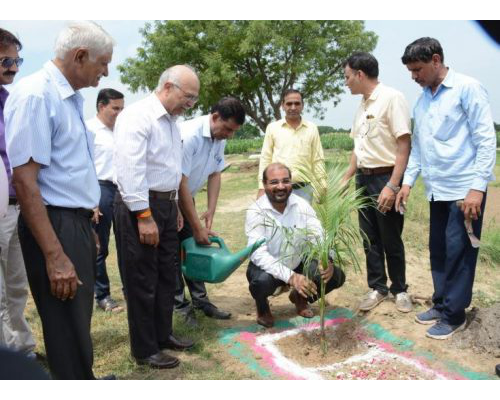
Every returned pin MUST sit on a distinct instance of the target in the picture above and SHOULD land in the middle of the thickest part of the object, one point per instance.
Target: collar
(4, 93)
(61, 83)
(449, 79)
(303, 122)
(100, 124)
(206, 126)
(158, 109)
(375, 94)
(266, 204)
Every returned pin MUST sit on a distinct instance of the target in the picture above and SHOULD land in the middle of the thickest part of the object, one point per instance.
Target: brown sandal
(301, 305)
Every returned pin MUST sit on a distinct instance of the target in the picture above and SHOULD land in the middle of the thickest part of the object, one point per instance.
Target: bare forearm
(351, 170)
(213, 190)
(187, 206)
(402, 155)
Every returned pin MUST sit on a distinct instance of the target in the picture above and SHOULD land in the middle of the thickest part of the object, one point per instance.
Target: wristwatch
(395, 189)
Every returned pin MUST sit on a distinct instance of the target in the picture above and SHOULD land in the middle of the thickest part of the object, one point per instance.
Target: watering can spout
(242, 255)
(213, 264)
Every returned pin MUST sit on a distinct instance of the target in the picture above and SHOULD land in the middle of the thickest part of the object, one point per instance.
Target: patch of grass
(490, 246)
(340, 141)
(240, 146)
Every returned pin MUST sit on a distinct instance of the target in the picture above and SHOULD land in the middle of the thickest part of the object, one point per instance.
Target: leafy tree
(247, 131)
(255, 61)
(325, 129)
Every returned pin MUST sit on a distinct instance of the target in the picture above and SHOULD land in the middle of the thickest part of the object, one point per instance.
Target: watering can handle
(218, 240)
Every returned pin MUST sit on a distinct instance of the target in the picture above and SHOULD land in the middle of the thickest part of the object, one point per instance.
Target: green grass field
(207, 360)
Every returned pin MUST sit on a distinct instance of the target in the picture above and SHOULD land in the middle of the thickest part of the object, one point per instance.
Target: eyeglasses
(276, 182)
(8, 62)
(188, 96)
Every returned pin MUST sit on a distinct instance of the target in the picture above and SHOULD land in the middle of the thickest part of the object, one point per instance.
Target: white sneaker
(371, 300)
(403, 302)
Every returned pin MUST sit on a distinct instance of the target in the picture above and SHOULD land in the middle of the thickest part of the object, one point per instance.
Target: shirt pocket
(450, 118)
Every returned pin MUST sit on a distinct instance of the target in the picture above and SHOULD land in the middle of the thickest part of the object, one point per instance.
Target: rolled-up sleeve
(28, 130)
(130, 161)
(477, 108)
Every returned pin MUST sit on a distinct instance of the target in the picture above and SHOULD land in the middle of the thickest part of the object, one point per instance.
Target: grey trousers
(15, 332)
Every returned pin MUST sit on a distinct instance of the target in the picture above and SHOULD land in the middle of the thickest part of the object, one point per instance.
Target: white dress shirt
(148, 152)
(280, 254)
(103, 148)
(202, 155)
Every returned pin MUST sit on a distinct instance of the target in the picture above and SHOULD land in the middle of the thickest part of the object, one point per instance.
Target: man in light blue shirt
(51, 153)
(454, 148)
(203, 143)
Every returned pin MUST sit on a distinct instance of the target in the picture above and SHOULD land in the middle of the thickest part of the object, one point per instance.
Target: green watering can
(212, 264)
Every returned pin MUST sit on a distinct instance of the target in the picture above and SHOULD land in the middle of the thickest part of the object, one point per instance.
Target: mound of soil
(342, 342)
(482, 334)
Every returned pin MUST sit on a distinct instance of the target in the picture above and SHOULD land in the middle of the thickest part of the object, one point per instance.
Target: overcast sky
(466, 48)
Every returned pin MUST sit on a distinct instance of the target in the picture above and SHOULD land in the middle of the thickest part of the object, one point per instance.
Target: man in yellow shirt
(381, 133)
(294, 142)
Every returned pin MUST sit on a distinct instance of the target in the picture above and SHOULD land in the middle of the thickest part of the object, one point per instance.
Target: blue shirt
(201, 155)
(44, 121)
(454, 141)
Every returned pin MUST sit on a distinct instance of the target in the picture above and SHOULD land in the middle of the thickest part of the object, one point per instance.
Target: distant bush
(240, 146)
(325, 129)
(247, 131)
(340, 141)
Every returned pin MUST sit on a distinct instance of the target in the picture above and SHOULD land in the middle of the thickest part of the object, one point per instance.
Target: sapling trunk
(322, 306)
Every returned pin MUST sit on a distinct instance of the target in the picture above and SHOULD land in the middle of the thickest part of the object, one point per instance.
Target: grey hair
(171, 74)
(84, 34)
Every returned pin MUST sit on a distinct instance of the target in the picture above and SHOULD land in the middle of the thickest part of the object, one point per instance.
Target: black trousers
(262, 285)
(66, 324)
(197, 289)
(149, 273)
(383, 239)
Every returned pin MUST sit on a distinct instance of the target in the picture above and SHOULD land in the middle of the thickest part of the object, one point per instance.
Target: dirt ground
(233, 295)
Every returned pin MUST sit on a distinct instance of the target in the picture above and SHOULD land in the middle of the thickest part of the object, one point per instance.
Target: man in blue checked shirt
(203, 143)
(454, 148)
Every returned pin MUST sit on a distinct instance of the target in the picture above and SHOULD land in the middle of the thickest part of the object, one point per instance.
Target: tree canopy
(255, 61)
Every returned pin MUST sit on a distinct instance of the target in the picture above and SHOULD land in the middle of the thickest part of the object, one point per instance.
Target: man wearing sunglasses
(14, 330)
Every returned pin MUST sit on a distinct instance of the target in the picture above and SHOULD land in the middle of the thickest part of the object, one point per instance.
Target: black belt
(299, 185)
(153, 194)
(84, 212)
(375, 171)
(13, 201)
(107, 183)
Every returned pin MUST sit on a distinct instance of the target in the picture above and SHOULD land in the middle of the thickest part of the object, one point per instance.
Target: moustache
(9, 73)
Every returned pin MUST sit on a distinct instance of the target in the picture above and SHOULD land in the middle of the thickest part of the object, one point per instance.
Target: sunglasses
(8, 62)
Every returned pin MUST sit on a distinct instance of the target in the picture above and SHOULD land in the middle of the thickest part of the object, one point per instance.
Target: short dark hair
(362, 61)
(107, 94)
(230, 107)
(264, 173)
(422, 50)
(291, 91)
(8, 39)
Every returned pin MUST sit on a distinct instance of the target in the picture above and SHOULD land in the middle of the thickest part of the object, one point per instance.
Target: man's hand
(180, 221)
(201, 235)
(402, 198)
(386, 199)
(148, 231)
(62, 276)
(304, 286)
(97, 214)
(208, 217)
(326, 274)
(471, 206)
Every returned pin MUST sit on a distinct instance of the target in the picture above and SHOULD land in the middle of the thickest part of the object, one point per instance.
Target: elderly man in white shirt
(147, 162)
(282, 218)
(203, 142)
(109, 104)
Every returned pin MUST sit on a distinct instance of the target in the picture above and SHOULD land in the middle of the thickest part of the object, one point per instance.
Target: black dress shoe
(174, 343)
(213, 312)
(160, 360)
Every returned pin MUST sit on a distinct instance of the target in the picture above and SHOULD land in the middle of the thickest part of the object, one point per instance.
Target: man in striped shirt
(51, 153)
